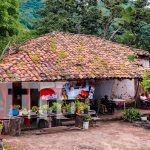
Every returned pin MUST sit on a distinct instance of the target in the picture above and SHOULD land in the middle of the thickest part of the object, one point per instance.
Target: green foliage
(35, 109)
(24, 34)
(131, 114)
(61, 54)
(136, 32)
(44, 107)
(131, 57)
(9, 13)
(86, 107)
(146, 81)
(1, 126)
(122, 21)
(144, 37)
(53, 44)
(56, 106)
(63, 15)
(17, 107)
(35, 57)
(28, 12)
(11, 31)
(68, 106)
(79, 105)
(87, 118)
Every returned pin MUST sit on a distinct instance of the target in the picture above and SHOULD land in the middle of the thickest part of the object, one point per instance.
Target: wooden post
(15, 126)
(136, 94)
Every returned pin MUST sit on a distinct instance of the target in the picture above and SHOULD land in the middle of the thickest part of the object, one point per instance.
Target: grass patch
(53, 44)
(35, 57)
(131, 57)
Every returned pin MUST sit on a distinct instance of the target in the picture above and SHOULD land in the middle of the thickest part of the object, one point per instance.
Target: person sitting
(109, 104)
(13, 111)
(144, 98)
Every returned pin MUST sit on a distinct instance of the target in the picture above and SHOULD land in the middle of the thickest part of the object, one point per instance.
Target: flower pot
(32, 113)
(144, 118)
(73, 111)
(86, 125)
(86, 111)
(49, 112)
(68, 110)
(63, 110)
(20, 113)
(79, 111)
(54, 111)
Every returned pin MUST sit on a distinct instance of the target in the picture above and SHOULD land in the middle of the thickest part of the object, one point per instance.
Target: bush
(131, 114)
(87, 118)
(146, 81)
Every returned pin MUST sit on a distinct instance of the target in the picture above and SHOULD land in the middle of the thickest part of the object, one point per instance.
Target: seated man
(110, 105)
(144, 98)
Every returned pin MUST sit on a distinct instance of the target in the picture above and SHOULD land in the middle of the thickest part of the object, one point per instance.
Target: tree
(28, 12)
(9, 12)
(63, 15)
(11, 31)
(122, 21)
(136, 30)
(144, 37)
(146, 82)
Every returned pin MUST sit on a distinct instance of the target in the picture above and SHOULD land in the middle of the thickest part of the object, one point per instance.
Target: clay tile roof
(66, 56)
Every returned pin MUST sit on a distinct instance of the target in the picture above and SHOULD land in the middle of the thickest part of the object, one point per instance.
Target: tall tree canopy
(63, 15)
(9, 12)
(11, 31)
(28, 11)
(123, 21)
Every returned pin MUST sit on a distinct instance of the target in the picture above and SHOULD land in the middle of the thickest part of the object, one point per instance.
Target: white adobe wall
(103, 87)
(124, 89)
(145, 63)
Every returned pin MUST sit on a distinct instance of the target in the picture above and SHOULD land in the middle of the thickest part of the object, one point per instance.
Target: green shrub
(87, 118)
(131, 114)
(146, 81)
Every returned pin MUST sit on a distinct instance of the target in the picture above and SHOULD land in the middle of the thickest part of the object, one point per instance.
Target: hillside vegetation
(122, 21)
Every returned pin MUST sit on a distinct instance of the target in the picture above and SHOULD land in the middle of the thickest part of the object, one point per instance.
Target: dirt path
(108, 136)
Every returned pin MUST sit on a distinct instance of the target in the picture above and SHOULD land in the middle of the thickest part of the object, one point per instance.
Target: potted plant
(68, 108)
(34, 110)
(144, 118)
(86, 121)
(73, 109)
(24, 111)
(56, 107)
(17, 107)
(79, 106)
(64, 109)
(131, 115)
(49, 109)
(86, 108)
(43, 109)
(1, 127)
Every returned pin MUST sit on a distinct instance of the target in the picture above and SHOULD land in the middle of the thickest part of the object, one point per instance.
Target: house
(56, 58)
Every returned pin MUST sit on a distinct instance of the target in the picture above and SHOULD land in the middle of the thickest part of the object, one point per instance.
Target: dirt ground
(108, 136)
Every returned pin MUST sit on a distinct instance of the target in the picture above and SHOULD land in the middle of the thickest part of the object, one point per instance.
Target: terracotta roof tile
(60, 56)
